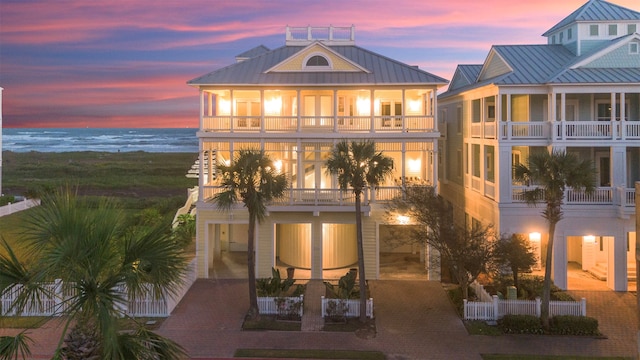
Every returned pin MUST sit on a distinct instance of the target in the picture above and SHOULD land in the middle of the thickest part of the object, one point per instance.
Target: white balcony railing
(601, 196)
(566, 130)
(525, 130)
(327, 124)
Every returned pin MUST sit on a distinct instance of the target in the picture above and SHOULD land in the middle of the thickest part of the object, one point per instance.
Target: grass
(22, 322)
(547, 357)
(309, 354)
(132, 174)
(267, 322)
(478, 327)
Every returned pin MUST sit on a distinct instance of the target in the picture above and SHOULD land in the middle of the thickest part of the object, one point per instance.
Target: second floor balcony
(319, 124)
(563, 130)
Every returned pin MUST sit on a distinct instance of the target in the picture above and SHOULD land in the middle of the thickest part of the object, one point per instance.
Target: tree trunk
(514, 270)
(546, 288)
(362, 282)
(251, 267)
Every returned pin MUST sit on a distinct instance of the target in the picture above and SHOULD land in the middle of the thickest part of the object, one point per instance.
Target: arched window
(317, 60)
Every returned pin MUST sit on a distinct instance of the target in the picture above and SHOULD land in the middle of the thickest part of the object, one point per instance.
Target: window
(490, 164)
(459, 119)
(631, 28)
(475, 153)
(553, 39)
(561, 37)
(460, 163)
(613, 30)
(593, 30)
(317, 60)
(633, 48)
(569, 34)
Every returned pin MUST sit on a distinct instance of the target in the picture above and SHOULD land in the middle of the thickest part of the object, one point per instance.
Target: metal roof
(383, 71)
(598, 76)
(596, 10)
(258, 50)
(532, 64)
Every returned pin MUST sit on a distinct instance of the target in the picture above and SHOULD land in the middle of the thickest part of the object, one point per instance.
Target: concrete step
(600, 272)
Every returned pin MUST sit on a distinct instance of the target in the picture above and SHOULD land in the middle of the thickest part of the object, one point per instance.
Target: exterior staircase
(600, 271)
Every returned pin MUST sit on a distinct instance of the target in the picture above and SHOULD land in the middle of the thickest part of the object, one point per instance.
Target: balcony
(568, 130)
(623, 197)
(321, 197)
(318, 124)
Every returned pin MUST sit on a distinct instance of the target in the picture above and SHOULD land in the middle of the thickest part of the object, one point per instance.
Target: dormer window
(631, 28)
(569, 34)
(633, 48)
(613, 30)
(317, 62)
(593, 30)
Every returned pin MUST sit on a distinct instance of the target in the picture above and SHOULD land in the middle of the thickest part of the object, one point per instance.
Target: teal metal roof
(382, 71)
(596, 10)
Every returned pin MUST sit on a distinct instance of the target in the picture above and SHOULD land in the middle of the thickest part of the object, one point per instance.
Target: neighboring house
(580, 93)
(296, 102)
(1, 89)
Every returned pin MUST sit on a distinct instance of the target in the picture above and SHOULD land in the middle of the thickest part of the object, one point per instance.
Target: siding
(495, 67)
(618, 58)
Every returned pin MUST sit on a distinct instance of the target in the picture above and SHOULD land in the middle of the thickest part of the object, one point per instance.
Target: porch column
(623, 116)
(509, 125)
(231, 112)
(316, 248)
(202, 108)
(498, 119)
(559, 260)
(209, 104)
(335, 110)
(504, 183)
(618, 167)
(262, 110)
(371, 110)
(404, 110)
(298, 110)
(617, 261)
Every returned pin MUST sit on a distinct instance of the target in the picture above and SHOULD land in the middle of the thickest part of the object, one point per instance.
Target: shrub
(273, 286)
(574, 325)
(346, 287)
(6, 199)
(520, 324)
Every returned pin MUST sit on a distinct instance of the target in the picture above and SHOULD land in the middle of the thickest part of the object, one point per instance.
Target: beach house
(295, 102)
(579, 92)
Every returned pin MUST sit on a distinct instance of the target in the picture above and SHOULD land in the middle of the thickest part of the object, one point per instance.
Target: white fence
(498, 308)
(352, 306)
(53, 301)
(269, 305)
(18, 206)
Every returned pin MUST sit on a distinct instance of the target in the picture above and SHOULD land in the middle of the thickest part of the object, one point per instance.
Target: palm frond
(15, 347)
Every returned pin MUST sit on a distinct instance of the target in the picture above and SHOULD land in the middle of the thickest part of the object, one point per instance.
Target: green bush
(520, 324)
(574, 325)
(273, 286)
(4, 200)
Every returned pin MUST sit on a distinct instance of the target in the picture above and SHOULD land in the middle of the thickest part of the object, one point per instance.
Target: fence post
(495, 307)
(323, 305)
(583, 307)
(538, 309)
(464, 309)
(57, 297)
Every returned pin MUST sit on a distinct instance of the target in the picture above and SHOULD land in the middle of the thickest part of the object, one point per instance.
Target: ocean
(100, 139)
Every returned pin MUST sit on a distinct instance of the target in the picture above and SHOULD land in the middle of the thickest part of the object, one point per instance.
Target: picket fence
(18, 206)
(268, 305)
(53, 301)
(352, 306)
(492, 308)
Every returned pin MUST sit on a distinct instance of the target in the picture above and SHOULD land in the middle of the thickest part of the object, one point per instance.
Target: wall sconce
(535, 237)
(273, 106)
(414, 166)
(589, 239)
(363, 106)
(403, 219)
(414, 106)
(224, 107)
(278, 165)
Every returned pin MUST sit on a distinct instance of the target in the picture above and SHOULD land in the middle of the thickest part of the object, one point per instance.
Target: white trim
(605, 51)
(318, 67)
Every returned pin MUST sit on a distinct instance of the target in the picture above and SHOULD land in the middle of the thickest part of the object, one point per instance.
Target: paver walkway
(312, 319)
(414, 321)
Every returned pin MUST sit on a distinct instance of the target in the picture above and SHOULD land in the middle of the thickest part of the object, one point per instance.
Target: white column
(617, 261)
(316, 248)
(371, 109)
(559, 261)
(201, 110)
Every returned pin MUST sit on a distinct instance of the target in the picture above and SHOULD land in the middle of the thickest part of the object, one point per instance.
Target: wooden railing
(566, 130)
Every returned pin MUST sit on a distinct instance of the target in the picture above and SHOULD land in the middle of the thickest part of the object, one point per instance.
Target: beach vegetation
(94, 252)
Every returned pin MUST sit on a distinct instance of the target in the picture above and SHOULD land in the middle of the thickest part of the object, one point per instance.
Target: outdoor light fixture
(534, 237)
(273, 106)
(225, 107)
(414, 165)
(403, 219)
(278, 165)
(363, 106)
(414, 106)
(589, 239)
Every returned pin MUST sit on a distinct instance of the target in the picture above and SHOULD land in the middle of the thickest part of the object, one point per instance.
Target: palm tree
(358, 165)
(94, 253)
(551, 173)
(253, 179)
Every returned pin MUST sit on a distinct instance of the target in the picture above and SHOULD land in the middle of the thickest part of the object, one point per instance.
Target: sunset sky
(125, 63)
